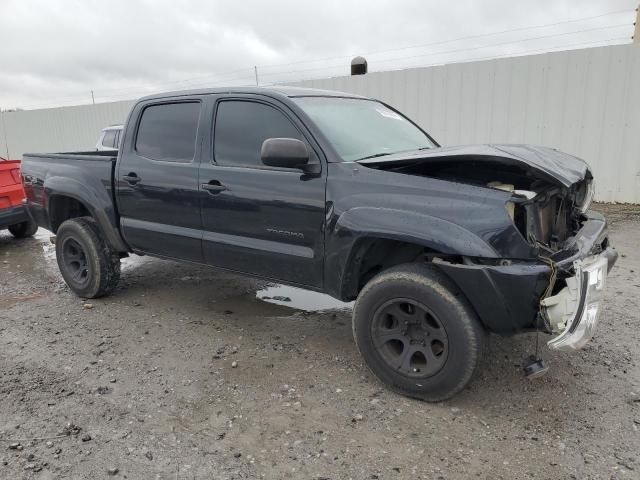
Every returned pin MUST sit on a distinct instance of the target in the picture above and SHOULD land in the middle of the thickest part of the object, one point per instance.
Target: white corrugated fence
(60, 129)
(585, 102)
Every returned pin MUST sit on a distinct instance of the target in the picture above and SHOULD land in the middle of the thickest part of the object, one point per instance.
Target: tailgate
(11, 193)
(9, 173)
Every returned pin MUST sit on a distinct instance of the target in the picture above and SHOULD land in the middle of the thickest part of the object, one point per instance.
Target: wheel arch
(63, 207)
(364, 241)
(67, 198)
(371, 255)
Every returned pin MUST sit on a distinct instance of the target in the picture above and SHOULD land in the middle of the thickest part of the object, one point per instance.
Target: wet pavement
(187, 372)
(300, 299)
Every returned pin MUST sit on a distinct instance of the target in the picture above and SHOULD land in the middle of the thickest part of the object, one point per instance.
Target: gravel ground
(184, 373)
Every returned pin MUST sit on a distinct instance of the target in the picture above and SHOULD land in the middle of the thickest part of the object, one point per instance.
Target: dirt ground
(184, 373)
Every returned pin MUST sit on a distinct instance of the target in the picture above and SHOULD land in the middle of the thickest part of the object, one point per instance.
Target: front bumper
(575, 310)
(507, 297)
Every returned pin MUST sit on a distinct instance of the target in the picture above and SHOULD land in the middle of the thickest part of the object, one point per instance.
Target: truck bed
(79, 176)
(92, 155)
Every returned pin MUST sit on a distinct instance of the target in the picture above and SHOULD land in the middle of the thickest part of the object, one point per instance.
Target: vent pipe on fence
(358, 66)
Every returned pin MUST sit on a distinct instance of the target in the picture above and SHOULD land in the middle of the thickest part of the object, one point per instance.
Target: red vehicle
(13, 214)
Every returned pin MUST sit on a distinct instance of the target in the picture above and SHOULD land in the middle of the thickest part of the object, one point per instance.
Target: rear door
(157, 179)
(265, 221)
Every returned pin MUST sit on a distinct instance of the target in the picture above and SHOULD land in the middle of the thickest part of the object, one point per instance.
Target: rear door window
(168, 131)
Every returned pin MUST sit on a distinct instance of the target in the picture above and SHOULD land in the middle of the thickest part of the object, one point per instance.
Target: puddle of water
(42, 235)
(296, 298)
(300, 299)
(48, 249)
(134, 261)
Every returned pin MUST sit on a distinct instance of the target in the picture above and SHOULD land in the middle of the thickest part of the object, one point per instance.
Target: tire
(87, 264)
(417, 333)
(24, 229)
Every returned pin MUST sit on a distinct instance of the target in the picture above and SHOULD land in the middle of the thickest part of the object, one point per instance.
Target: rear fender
(98, 202)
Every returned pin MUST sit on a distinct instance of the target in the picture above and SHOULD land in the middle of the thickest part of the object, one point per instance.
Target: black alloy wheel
(74, 259)
(410, 338)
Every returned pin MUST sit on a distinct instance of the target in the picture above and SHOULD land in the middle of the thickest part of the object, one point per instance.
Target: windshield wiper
(375, 155)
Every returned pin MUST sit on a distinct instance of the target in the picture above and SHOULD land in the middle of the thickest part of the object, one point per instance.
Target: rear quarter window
(109, 139)
(168, 131)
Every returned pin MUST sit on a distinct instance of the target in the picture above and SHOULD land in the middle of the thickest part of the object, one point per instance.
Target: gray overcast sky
(54, 52)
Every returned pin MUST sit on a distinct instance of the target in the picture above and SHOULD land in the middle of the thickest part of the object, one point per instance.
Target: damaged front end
(575, 245)
(554, 264)
(561, 294)
(554, 220)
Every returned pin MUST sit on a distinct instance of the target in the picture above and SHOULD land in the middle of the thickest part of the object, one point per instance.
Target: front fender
(411, 227)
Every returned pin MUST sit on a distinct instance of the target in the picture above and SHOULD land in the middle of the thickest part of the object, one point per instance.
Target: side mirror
(284, 152)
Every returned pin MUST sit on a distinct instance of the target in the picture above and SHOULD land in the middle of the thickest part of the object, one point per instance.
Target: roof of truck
(278, 91)
(117, 126)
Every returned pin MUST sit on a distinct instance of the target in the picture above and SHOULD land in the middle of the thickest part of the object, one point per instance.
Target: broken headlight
(584, 197)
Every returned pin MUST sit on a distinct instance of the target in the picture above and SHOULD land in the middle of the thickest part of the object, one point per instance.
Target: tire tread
(24, 229)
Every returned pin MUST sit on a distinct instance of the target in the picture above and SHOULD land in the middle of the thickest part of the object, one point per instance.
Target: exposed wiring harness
(553, 276)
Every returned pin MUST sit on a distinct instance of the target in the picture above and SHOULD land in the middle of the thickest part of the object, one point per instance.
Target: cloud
(54, 52)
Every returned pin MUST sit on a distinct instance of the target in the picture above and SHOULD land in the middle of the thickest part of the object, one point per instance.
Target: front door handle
(132, 178)
(213, 187)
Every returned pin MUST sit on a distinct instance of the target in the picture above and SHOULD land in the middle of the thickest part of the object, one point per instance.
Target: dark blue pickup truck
(344, 195)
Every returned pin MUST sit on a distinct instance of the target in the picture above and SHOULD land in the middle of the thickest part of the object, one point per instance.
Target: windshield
(360, 129)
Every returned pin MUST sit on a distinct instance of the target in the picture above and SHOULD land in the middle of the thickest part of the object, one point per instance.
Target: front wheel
(417, 333)
(88, 265)
(24, 229)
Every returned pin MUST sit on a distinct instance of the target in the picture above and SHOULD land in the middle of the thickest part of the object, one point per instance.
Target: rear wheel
(24, 229)
(88, 265)
(417, 333)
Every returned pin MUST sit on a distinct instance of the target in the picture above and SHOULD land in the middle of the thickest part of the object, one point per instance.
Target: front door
(157, 181)
(260, 220)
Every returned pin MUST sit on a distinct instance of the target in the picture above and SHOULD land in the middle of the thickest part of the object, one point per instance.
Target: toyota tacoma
(344, 195)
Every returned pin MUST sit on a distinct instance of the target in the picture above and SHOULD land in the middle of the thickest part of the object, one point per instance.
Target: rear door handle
(213, 187)
(132, 178)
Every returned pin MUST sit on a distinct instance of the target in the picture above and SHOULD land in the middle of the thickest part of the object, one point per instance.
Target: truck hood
(544, 162)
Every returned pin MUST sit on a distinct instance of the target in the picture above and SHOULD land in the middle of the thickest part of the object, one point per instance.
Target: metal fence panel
(585, 102)
(58, 129)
